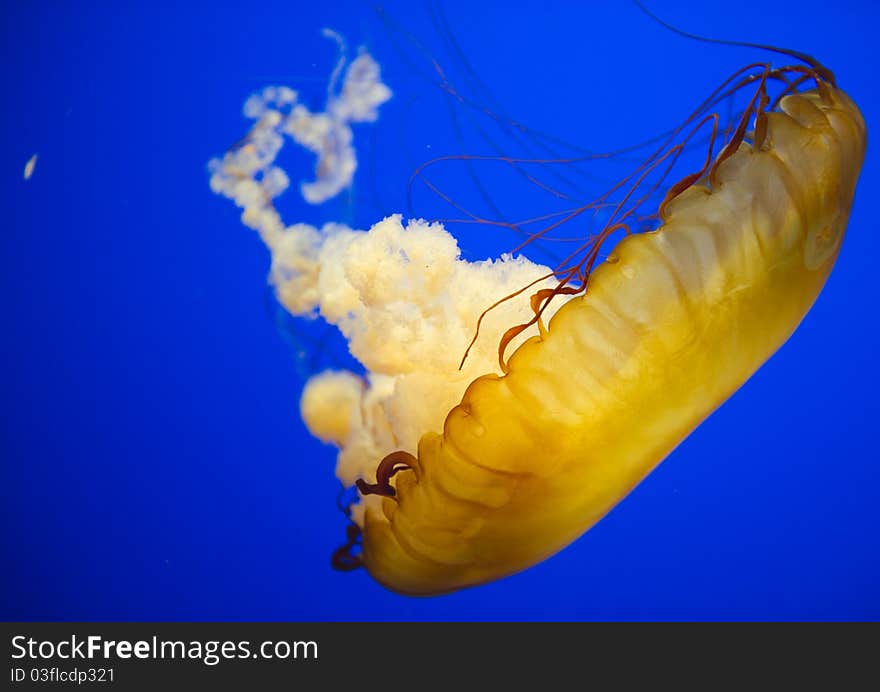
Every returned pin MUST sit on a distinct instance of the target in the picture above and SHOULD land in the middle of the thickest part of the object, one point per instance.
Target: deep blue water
(153, 463)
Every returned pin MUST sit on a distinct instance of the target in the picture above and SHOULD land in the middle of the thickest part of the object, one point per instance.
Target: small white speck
(29, 167)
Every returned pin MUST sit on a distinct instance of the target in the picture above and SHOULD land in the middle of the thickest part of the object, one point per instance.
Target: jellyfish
(579, 378)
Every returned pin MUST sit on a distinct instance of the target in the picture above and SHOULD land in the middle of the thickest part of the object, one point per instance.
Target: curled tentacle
(343, 560)
(390, 465)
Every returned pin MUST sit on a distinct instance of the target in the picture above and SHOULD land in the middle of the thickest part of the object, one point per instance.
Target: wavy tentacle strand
(666, 330)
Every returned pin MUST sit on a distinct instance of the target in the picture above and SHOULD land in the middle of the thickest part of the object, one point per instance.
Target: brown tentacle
(390, 465)
(342, 559)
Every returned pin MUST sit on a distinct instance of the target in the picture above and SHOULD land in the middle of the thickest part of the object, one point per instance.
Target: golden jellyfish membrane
(470, 470)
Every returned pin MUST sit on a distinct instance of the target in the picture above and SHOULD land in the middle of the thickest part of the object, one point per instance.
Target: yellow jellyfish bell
(641, 349)
(669, 327)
